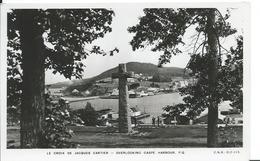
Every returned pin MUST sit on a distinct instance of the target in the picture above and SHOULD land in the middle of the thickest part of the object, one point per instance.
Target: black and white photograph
(124, 76)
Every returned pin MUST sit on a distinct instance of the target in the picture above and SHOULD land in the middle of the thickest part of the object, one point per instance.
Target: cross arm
(122, 75)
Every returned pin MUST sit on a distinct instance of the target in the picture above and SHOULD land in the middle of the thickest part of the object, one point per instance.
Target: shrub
(88, 115)
(13, 115)
(154, 85)
(56, 133)
(229, 137)
(134, 86)
(161, 78)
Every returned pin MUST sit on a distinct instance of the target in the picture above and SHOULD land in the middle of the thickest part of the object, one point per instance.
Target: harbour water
(151, 104)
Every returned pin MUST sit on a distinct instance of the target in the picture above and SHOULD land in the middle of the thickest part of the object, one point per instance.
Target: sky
(120, 38)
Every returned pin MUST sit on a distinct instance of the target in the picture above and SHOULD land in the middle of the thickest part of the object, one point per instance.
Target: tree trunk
(212, 137)
(33, 101)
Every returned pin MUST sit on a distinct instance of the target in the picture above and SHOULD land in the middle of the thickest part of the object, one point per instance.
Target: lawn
(173, 137)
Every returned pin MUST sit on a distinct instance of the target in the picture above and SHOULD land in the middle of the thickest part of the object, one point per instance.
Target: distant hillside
(65, 83)
(144, 68)
(136, 67)
(60, 84)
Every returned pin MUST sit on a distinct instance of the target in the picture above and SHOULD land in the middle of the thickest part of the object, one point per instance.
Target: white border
(255, 79)
(190, 153)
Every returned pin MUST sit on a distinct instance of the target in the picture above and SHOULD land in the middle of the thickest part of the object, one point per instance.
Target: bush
(88, 115)
(229, 136)
(231, 144)
(161, 78)
(154, 85)
(134, 86)
(56, 133)
(13, 115)
(97, 91)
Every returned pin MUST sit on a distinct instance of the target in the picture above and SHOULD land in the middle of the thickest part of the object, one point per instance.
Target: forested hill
(136, 67)
(145, 69)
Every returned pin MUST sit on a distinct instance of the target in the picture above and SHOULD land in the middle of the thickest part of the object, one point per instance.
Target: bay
(152, 105)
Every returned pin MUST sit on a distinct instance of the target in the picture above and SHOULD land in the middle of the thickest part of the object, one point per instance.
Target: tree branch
(199, 47)
(219, 52)
(205, 40)
(196, 42)
(192, 22)
(225, 49)
(21, 75)
(221, 17)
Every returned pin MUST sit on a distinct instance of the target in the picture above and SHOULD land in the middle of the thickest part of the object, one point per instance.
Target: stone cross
(124, 110)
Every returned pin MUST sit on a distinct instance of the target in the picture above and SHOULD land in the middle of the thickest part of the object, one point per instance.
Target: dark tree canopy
(68, 34)
(229, 85)
(163, 29)
(56, 39)
(231, 76)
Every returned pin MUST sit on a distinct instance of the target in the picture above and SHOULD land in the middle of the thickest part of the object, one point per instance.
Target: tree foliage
(231, 76)
(60, 39)
(68, 35)
(88, 115)
(163, 29)
(229, 85)
(56, 133)
(161, 78)
(14, 79)
(13, 115)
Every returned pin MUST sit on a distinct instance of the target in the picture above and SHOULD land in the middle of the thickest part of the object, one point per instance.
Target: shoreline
(78, 99)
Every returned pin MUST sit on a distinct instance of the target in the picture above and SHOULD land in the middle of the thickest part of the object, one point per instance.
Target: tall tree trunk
(33, 101)
(212, 136)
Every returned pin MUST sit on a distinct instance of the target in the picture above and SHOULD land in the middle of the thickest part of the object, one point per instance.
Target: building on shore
(56, 92)
(75, 91)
